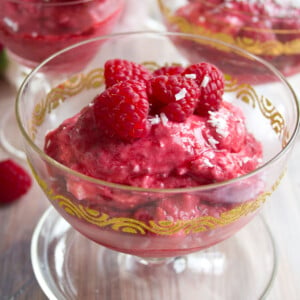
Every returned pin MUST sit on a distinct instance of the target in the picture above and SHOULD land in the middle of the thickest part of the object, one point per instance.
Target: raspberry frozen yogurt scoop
(166, 128)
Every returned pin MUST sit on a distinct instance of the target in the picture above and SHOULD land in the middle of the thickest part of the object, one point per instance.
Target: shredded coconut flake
(136, 169)
(181, 94)
(11, 24)
(205, 81)
(155, 120)
(201, 19)
(198, 134)
(161, 144)
(213, 141)
(190, 76)
(164, 118)
(246, 159)
(210, 154)
(219, 123)
(207, 163)
(48, 143)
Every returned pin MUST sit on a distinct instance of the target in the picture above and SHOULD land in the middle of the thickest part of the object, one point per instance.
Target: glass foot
(10, 136)
(69, 266)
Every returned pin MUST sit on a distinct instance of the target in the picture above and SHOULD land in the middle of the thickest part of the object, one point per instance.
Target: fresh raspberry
(117, 70)
(14, 181)
(174, 95)
(169, 70)
(211, 82)
(122, 110)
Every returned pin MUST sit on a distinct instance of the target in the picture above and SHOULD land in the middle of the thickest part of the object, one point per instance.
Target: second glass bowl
(33, 30)
(268, 29)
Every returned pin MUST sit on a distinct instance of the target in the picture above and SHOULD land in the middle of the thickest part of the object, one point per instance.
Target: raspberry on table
(211, 82)
(122, 110)
(174, 95)
(118, 70)
(14, 181)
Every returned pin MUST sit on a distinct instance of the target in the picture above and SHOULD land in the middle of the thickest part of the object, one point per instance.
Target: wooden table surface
(18, 220)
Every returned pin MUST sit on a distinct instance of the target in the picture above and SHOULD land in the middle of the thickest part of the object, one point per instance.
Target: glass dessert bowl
(268, 29)
(33, 30)
(176, 204)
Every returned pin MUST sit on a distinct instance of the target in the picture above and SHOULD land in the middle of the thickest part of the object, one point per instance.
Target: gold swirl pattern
(71, 87)
(94, 79)
(247, 94)
(163, 227)
(273, 48)
(38, 117)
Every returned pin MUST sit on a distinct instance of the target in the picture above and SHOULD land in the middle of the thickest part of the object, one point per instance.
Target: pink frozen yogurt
(201, 150)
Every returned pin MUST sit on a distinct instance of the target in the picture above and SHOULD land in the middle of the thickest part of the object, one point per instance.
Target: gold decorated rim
(272, 47)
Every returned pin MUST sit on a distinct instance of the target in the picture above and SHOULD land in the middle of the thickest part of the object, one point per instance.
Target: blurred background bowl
(268, 29)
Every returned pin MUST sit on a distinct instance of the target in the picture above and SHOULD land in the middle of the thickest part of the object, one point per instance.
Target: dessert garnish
(134, 97)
